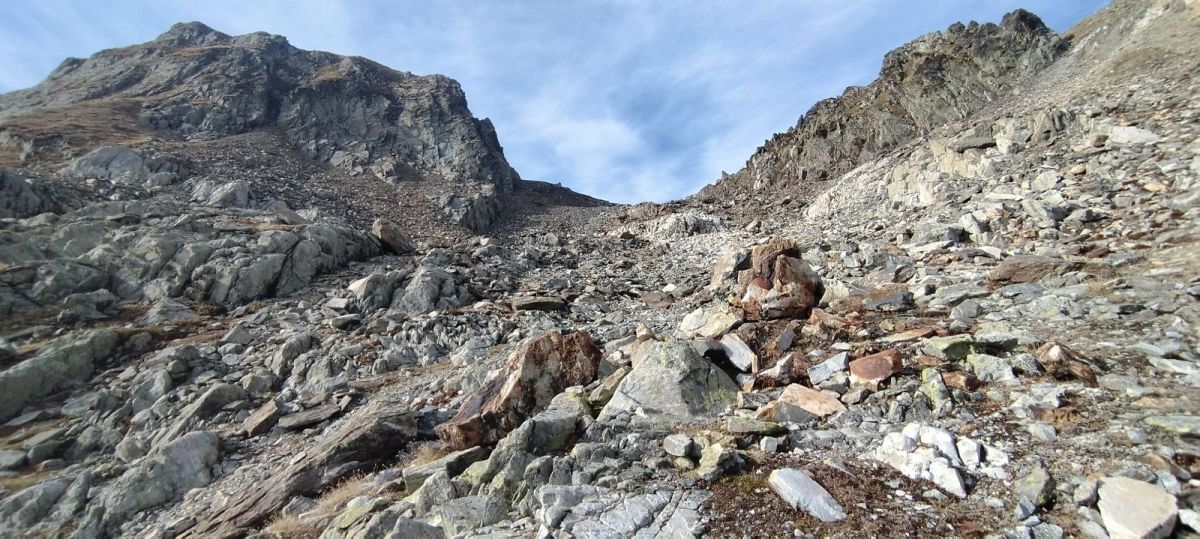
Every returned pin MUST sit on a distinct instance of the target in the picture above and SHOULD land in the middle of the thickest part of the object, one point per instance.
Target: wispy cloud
(626, 100)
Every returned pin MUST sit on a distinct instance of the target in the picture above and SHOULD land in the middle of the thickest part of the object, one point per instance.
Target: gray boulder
(67, 360)
(671, 383)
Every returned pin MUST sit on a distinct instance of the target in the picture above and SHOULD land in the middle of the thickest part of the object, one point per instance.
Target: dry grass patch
(291, 527)
(335, 499)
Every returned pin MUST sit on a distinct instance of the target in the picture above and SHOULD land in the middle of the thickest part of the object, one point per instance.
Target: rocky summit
(248, 290)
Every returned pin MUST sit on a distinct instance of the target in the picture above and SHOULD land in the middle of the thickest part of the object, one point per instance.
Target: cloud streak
(620, 99)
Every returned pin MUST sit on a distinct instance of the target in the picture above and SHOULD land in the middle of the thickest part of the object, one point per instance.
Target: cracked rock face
(195, 82)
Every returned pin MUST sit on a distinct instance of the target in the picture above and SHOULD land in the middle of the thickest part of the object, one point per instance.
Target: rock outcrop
(938, 78)
(195, 82)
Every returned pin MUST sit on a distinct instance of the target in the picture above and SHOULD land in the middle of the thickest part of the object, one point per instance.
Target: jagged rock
(262, 419)
(430, 289)
(778, 284)
(826, 369)
(710, 324)
(476, 212)
(392, 236)
(20, 199)
(803, 493)
(534, 374)
(68, 360)
(471, 512)
(670, 383)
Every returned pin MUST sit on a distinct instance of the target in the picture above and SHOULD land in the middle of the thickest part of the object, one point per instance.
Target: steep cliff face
(938, 78)
(196, 83)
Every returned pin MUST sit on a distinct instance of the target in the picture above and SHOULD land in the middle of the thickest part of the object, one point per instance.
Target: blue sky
(620, 99)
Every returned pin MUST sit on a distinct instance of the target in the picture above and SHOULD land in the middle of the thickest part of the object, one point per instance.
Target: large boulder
(778, 284)
(670, 383)
(179, 466)
(69, 359)
(430, 289)
(392, 236)
(540, 369)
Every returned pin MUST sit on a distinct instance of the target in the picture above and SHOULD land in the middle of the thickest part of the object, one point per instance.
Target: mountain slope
(935, 79)
(196, 83)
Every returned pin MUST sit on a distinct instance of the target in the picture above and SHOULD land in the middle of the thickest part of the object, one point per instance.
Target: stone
(711, 324)
(1035, 487)
(739, 353)
(1132, 508)
(541, 367)
(11, 459)
(537, 303)
(262, 419)
(746, 425)
(392, 236)
(818, 403)
(676, 445)
(671, 383)
(1187, 425)
(453, 464)
(309, 417)
(826, 369)
(67, 360)
(950, 348)
(715, 461)
(801, 492)
(875, 368)
(178, 466)
(778, 284)
(469, 513)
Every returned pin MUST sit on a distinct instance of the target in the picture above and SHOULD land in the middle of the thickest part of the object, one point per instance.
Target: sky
(624, 100)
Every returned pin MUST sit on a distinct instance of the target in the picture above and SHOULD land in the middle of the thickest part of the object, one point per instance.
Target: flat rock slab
(309, 417)
(1136, 509)
(801, 492)
(537, 303)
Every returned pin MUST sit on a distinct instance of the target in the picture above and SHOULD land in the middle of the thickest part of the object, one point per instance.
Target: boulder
(67, 360)
(392, 236)
(541, 368)
(671, 383)
(778, 284)
(183, 464)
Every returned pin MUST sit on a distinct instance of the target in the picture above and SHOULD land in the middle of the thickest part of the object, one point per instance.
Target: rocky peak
(937, 78)
(195, 83)
(190, 34)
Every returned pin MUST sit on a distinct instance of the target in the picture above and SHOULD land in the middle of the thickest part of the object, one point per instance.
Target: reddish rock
(818, 403)
(962, 381)
(778, 284)
(542, 368)
(875, 368)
